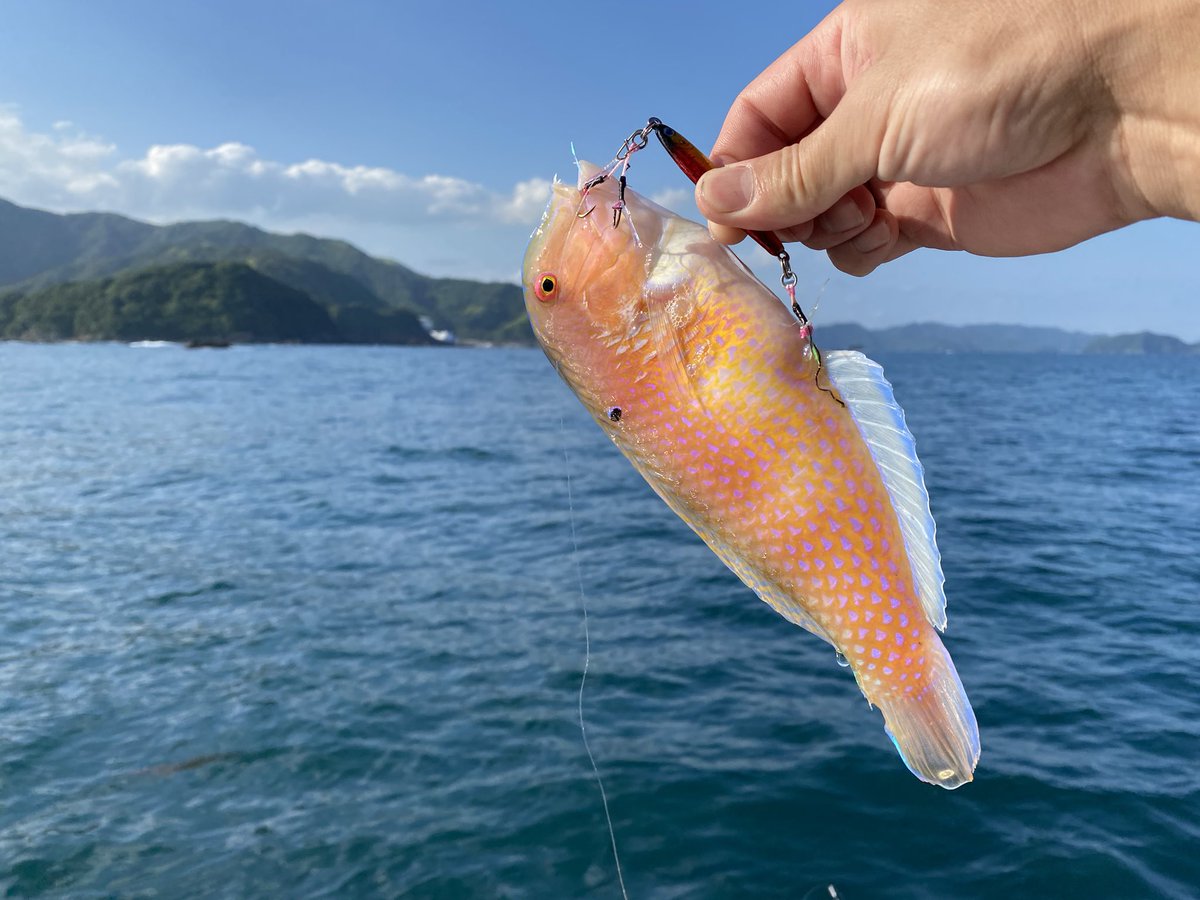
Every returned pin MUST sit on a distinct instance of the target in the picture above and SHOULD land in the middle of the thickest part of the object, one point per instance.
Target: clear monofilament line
(587, 661)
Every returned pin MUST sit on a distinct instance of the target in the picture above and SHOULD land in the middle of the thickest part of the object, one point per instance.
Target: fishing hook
(693, 163)
(636, 141)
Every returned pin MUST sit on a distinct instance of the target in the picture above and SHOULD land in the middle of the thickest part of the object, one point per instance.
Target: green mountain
(39, 249)
(180, 302)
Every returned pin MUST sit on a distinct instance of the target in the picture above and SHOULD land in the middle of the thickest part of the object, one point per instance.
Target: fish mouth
(561, 197)
(587, 172)
(566, 202)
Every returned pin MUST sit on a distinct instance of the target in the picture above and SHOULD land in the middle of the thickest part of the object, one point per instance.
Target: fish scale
(787, 468)
(762, 484)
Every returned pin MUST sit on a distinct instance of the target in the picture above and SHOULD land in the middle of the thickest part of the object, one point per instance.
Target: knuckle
(791, 184)
(847, 259)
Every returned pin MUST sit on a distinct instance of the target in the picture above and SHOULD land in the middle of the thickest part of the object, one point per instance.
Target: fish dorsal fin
(880, 420)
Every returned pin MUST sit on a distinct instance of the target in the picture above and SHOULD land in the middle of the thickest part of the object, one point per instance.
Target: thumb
(797, 183)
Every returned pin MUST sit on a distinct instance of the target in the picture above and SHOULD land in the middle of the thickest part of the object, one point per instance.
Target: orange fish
(796, 469)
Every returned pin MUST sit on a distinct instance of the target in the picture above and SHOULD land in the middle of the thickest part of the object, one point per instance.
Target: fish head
(583, 276)
(594, 289)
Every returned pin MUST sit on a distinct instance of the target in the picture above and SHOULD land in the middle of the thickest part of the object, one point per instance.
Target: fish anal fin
(791, 608)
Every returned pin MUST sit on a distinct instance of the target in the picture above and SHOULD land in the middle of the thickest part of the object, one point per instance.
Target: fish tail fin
(934, 726)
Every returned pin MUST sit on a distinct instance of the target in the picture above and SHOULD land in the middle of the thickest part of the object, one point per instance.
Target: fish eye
(545, 287)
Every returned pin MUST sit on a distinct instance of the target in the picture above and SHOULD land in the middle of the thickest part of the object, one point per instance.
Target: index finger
(787, 100)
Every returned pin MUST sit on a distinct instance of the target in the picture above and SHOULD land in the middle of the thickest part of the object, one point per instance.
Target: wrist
(1146, 55)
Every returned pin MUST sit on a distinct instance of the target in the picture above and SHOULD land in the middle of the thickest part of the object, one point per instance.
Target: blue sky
(427, 133)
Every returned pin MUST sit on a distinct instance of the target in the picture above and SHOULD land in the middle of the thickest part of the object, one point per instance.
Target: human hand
(1003, 129)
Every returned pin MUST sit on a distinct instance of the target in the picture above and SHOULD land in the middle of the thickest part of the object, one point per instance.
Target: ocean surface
(306, 622)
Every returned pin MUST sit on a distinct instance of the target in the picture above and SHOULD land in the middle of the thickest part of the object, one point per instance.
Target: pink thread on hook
(806, 329)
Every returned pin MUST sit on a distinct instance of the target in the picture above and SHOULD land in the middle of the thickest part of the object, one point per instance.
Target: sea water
(304, 621)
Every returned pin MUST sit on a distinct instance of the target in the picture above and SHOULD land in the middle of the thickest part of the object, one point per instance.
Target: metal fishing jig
(693, 163)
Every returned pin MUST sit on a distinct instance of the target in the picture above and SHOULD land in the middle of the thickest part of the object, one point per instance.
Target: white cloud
(68, 170)
(674, 198)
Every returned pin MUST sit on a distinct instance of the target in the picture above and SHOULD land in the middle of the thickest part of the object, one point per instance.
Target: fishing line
(829, 889)
(587, 661)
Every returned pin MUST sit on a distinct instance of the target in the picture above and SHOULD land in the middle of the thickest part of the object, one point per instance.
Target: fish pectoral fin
(677, 351)
(880, 420)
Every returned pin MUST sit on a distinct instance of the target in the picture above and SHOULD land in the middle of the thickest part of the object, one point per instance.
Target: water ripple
(305, 622)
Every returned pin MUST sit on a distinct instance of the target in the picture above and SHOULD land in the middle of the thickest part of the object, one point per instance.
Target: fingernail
(728, 189)
(871, 239)
(844, 216)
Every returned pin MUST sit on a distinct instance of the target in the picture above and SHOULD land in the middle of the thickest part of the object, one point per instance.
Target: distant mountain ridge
(1141, 343)
(932, 337)
(97, 276)
(40, 249)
